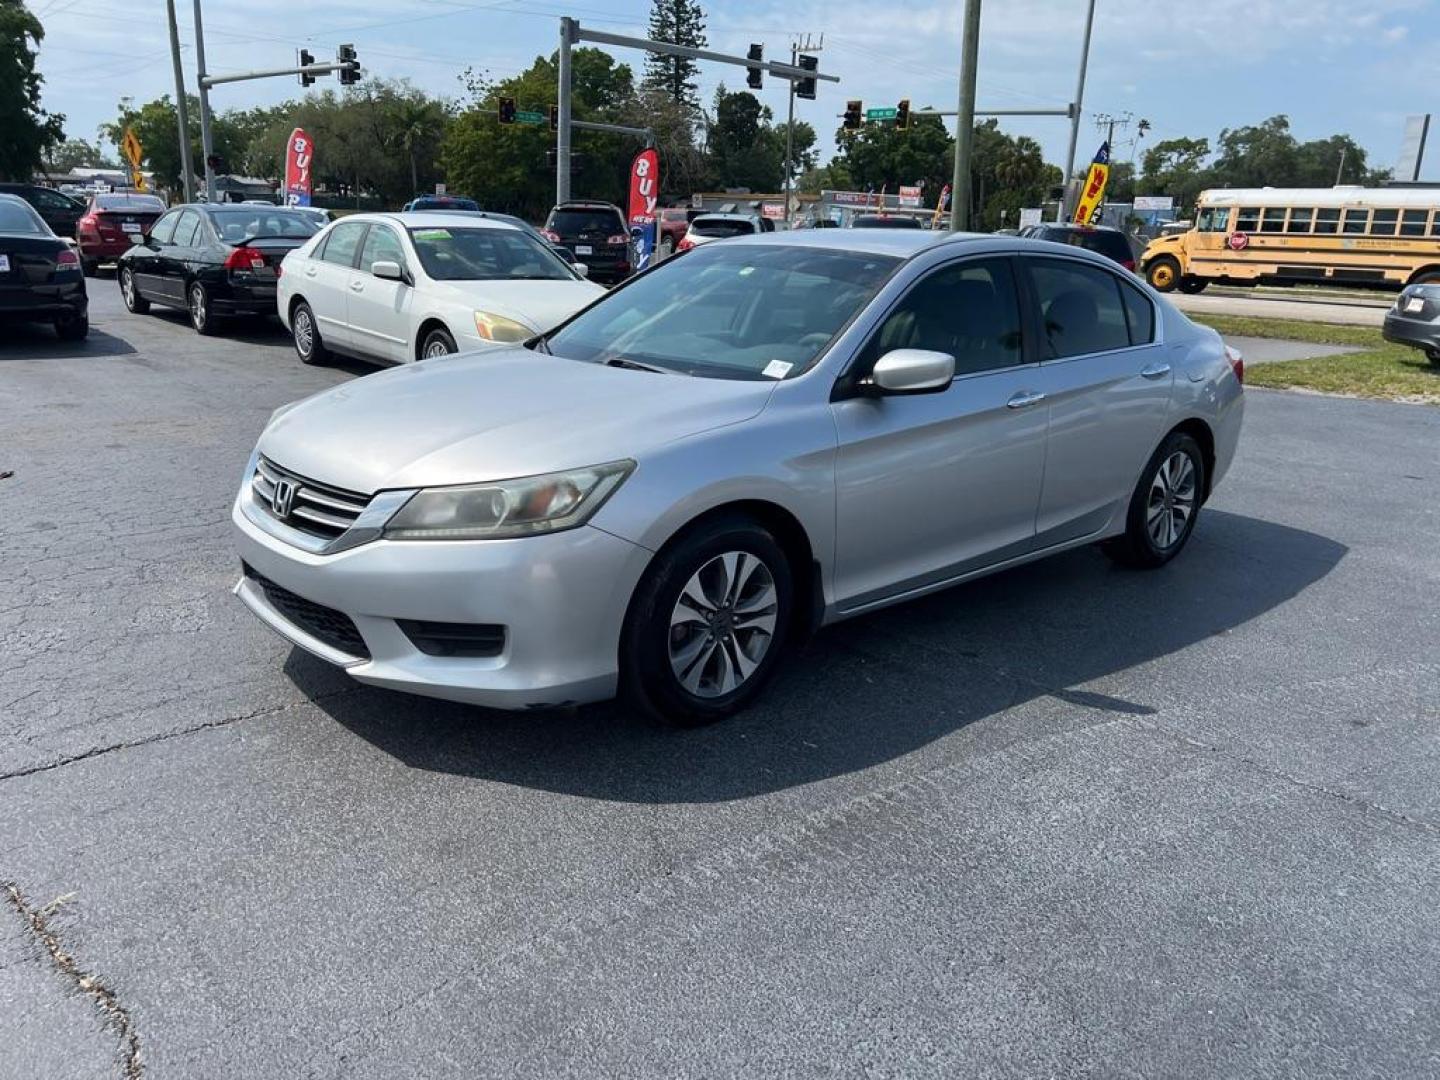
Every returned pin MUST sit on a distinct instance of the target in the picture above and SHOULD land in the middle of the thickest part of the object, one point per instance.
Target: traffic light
(854, 110)
(350, 73)
(805, 88)
(306, 79)
(902, 114)
(754, 77)
(554, 117)
(507, 110)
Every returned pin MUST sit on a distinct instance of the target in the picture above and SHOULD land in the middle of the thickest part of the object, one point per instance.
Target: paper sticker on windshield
(431, 234)
(777, 369)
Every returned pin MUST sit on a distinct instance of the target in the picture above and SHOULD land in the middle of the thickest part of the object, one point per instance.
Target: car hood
(539, 304)
(493, 415)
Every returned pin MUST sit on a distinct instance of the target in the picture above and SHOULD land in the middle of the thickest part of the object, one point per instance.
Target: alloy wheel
(198, 314)
(435, 347)
(1172, 500)
(127, 288)
(723, 624)
(304, 332)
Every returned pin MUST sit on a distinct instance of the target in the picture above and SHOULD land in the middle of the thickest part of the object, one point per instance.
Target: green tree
(746, 149)
(155, 125)
(832, 177)
(1176, 167)
(1257, 155)
(27, 131)
(75, 154)
(680, 22)
(880, 155)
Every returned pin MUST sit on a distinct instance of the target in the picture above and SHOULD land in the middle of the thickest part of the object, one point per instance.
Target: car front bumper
(1417, 333)
(561, 598)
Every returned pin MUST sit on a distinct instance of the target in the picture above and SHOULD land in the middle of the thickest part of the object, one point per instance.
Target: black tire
(305, 335)
(1190, 284)
(75, 328)
(130, 292)
(648, 677)
(438, 342)
(1433, 355)
(88, 267)
(197, 305)
(1139, 545)
(1163, 273)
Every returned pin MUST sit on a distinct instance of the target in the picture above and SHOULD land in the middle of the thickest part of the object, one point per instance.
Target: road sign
(531, 116)
(439, 189)
(909, 195)
(131, 148)
(881, 114)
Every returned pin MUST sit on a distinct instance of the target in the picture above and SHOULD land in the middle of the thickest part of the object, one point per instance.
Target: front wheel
(130, 293)
(197, 301)
(708, 624)
(1190, 284)
(437, 343)
(1164, 505)
(74, 328)
(1163, 273)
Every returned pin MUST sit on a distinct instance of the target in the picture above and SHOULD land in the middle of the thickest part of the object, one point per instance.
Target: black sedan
(40, 275)
(213, 260)
(1415, 318)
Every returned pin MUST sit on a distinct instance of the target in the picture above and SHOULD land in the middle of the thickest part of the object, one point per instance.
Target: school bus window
(1413, 222)
(1300, 220)
(1273, 219)
(1248, 219)
(1383, 224)
(1213, 219)
(1327, 220)
(1435, 224)
(1356, 220)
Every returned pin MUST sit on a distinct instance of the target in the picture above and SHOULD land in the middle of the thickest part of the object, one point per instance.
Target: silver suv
(752, 440)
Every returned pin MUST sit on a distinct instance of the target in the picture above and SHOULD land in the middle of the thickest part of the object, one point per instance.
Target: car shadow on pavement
(871, 689)
(38, 341)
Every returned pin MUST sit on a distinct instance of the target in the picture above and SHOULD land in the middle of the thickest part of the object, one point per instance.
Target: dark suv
(596, 232)
(58, 210)
(1101, 239)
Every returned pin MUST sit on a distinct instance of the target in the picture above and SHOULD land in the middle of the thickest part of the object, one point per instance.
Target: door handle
(1157, 370)
(310, 271)
(1025, 398)
(357, 286)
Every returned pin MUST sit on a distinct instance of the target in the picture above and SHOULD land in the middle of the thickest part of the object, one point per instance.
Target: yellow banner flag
(1092, 195)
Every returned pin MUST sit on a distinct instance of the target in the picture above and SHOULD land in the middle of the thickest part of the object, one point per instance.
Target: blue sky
(1354, 66)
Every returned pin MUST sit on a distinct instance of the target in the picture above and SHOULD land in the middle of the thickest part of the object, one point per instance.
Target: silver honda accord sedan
(754, 439)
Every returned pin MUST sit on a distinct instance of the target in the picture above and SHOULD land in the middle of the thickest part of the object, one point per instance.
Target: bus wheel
(1163, 274)
(1191, 284)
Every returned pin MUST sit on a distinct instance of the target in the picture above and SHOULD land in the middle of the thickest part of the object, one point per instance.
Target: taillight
(244, 259)
(685, 243)
(551, 235)
(1128, 264)
(1237, 362)
(618, 238)
(67, 260)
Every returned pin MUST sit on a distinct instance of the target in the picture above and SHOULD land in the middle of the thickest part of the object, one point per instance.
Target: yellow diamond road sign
(130, 146)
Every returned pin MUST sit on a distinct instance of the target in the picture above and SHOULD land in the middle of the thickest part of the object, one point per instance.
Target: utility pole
(562, 132)
(1340, 172)
(965, 119)
(207, 143)
(187, 175)
(796, 48)
(1078, 103)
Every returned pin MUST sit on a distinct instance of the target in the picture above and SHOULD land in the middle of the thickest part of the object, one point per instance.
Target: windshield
(140, 203)
(721, 227)
(877, 222)
(240, 222)
(451, 254)
(17, 217)
(587, 221)
(729, 311)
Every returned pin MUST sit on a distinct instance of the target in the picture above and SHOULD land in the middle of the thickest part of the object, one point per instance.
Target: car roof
(585, 204)
(435, 219)
(726, 216)
(1075, 226)
(908, 243)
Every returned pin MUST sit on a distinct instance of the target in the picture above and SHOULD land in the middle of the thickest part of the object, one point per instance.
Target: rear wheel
(1164, 505)
(1190, 284)
(1163, 273)
(74, 328)
(1433, 355)
(130, 293)
(438, 342)
(197, 301)
(89, 266)
(708, 624)
(306, 335)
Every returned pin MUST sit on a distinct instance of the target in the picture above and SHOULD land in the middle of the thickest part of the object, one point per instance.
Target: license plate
(4, 264)
(584, 249)
(1415, 303)
(133, 227)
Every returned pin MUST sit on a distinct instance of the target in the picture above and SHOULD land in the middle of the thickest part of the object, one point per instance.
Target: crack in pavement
(166, 736)
(115, 1016)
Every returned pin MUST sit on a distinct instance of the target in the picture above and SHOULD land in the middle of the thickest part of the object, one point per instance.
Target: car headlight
(508, 508)
(498, 328)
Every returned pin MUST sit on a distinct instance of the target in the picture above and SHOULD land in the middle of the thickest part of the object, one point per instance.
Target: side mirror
(913, 371)
(583, 269)
(385, 268)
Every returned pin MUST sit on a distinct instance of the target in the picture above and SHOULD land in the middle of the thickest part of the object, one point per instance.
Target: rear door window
(1081, 309)
(187, 228)
(341, 244)
(164, 229)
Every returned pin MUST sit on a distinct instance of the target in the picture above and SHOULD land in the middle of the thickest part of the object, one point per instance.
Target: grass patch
(1378, 370)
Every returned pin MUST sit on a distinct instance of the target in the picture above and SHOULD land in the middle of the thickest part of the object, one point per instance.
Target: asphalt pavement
(1069, 821)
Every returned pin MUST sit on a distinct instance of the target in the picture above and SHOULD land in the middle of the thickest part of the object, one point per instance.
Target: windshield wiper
(635, 365)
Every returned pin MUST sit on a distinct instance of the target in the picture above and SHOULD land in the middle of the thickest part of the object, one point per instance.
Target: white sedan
(400, 287)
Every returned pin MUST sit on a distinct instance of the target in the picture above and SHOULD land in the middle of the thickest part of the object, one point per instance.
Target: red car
(113, 224)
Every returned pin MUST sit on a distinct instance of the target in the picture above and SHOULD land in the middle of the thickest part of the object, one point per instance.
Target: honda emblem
(282, 498)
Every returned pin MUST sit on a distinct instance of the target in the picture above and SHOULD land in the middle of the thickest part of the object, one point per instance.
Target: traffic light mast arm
(310, 69)
(773, 67)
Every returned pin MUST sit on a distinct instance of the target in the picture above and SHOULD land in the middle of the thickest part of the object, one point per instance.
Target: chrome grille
(317, 509)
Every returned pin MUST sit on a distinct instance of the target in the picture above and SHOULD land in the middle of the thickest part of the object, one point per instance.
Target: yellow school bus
(1327, 236)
